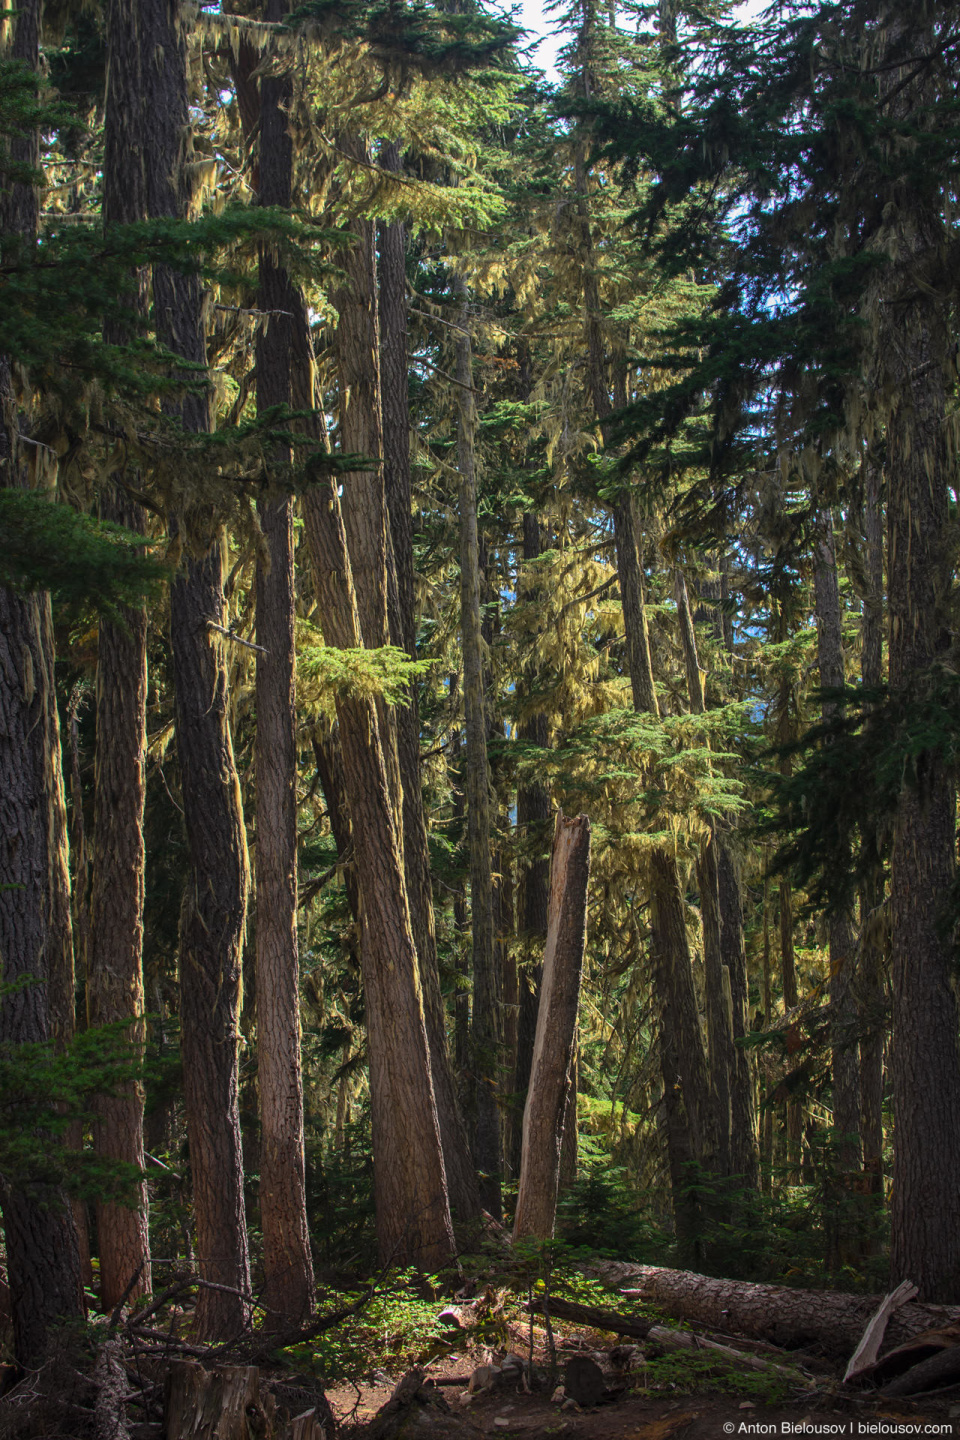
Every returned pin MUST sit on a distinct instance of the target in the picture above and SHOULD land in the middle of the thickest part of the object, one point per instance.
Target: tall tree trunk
(213, 918)
(533, 816)
(925, 1239)
(486, 1030)
(287, 1263)
(461, 1175)
(788, 984)
(743, 1136)
(360, 432)
(766, 1148)
(115, 957)
(691, 1133)
(719, 1002)
(412, 1206)
(554, 1049)
(43, 1258)
(689, 1104)
(845, 1059)
(871, 998)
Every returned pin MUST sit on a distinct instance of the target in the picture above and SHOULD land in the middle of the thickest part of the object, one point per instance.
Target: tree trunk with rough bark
(412, 1206)
(925, 1239)
(554, 1048)
(487, 1027)
(287, 1263)
(115, 955)
(533, 817)
(781, 1314)
(845, 1057)
(213, 917)
(871, 984)
(461, 1175)
(43, 1258)
(719, 1001)
(688, 1102)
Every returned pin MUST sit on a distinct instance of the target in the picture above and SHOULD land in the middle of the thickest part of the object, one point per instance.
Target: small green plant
(392, 1331)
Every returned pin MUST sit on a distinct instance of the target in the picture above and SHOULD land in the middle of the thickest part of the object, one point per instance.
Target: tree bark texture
(533, 817)
(230, 1403)
(461, 1174)
(287, 1263)
(115, 955)
(915, 341)
(213, 917)
(778, 1313)
(925, 1244)
(410, 1188)
(555, 1044)
(43, 1259)
(871, 981)
(719, 1001)
(688, 1102)
(487, 1028)
(360, 432)
(412, 1206)
(743, 1128)
(845, 1057)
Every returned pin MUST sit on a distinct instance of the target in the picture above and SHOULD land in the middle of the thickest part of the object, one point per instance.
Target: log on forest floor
(667, 1338)
(829, 1319)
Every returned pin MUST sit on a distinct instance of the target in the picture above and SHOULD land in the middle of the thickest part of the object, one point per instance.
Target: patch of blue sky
(546, 38)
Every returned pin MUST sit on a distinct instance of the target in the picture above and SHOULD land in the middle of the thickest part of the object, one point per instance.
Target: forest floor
(683, 1396)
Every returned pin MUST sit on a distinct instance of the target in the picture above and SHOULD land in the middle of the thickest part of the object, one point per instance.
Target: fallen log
(826, 1318)
(934, 1373)
(664, 1336)
(670, 1339)
(633, 1325)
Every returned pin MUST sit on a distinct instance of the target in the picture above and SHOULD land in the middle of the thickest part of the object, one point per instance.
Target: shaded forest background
(399, 452)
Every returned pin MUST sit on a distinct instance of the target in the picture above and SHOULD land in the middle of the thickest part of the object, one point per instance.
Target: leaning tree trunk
(486, 1028)
(461, 1174)
(213, 917)
(43, 1259)
(287, 1263)
(115, 956)
(555, 1044)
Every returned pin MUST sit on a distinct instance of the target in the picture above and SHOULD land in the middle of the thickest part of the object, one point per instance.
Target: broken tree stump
(228, 1404)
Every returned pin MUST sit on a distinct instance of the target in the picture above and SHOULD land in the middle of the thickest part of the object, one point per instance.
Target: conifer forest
(479, 715)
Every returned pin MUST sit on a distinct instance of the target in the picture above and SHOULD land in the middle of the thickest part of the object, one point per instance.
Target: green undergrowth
(397, 1328)
(685, 1373)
